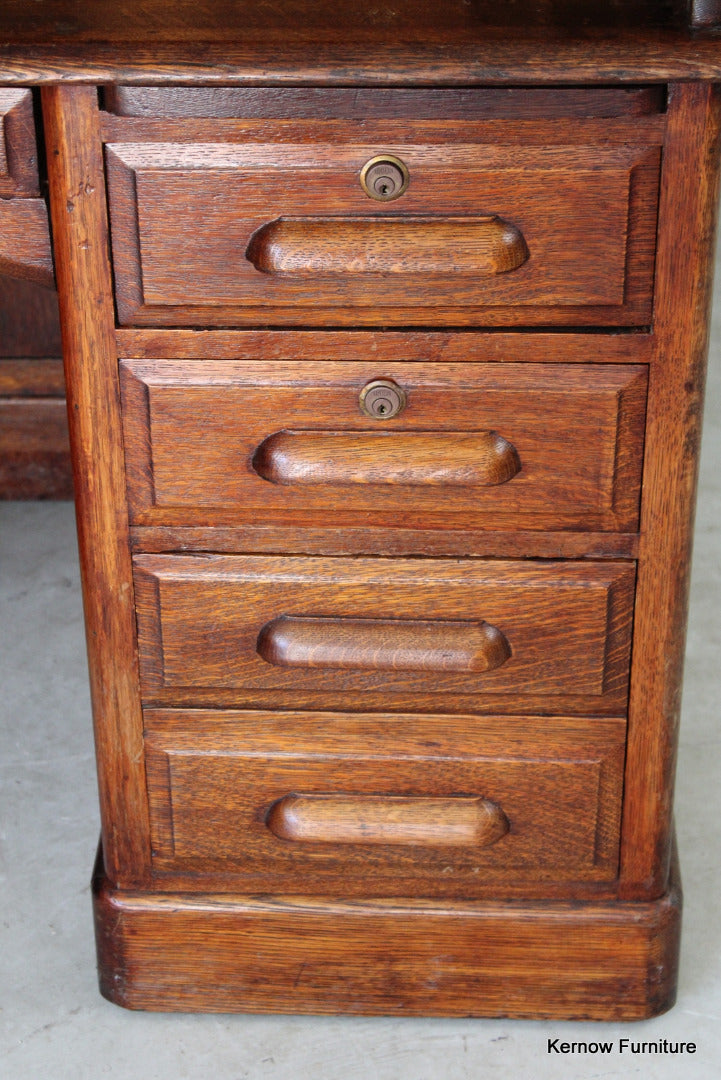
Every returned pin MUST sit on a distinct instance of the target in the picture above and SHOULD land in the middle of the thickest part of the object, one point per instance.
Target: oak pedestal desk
(385, 348)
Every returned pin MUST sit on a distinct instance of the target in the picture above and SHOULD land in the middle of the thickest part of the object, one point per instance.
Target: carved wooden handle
(418, 458)
(469, 821)
(387, 245)
(382, 644)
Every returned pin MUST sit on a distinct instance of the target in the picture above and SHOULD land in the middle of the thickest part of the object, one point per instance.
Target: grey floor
(53, 1023)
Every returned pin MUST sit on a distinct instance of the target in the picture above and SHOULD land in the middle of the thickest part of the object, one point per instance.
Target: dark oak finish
(360, 104)
(215, 782)
(138, 133)
(414, 42)
(31, 378)
(25, 241)
(30, 328)
(18, 149)
(34, 452)
(297, 212)
(34, 447)
(24, 234)
(259, 440)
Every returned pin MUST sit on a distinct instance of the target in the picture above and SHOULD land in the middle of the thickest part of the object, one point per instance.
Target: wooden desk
(385, 348)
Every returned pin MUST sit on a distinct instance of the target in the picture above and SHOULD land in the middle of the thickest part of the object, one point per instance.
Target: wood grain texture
(199, 618)
(86, 306)
(543, 180)
(217, 417)
(600, 960)
(382, 644)
(683, 295)
(291, 247)
(498, 346)
(352, 789)
(34, 448)
(415, 43)
(138, 132)
(18, 149)
(214, 781)
(320, 103)
(458, 820)
(339, 539)
(25, 241)
(31, 378)
(417, 459)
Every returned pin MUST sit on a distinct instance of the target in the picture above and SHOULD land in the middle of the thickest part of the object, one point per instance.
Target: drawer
(18, 151)
(545, 446)
(363, 805)
(394, 633)
(494, 222)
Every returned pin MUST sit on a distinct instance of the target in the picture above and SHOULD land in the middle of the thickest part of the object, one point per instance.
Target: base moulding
(586, 960)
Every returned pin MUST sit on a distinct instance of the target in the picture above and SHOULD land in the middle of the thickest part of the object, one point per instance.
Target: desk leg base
(555, 960)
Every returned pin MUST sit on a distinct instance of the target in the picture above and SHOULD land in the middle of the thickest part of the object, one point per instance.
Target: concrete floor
(53, 1023)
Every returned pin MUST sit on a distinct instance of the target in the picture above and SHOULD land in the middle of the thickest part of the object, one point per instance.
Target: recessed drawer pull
(387, 245)
(382, 644)
(468, 821)
(418, 458)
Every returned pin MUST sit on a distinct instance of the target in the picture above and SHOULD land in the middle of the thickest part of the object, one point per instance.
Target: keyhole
(384, 178)
(382, 399)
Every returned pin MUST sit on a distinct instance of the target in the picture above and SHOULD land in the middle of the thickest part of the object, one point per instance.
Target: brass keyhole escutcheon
(382, 399)
(384, 178)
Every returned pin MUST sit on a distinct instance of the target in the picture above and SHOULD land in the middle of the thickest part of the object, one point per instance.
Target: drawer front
(272, 224)
(390, 632)
(379, 806)
(486, 446)
(18, 151)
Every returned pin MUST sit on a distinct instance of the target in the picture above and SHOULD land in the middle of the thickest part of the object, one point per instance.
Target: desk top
(411, 42)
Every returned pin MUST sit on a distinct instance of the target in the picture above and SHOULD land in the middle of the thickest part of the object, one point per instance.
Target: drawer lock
(382, 399)
(384, 178)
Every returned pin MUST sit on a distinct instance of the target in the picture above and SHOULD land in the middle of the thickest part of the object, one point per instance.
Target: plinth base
(605, 960)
